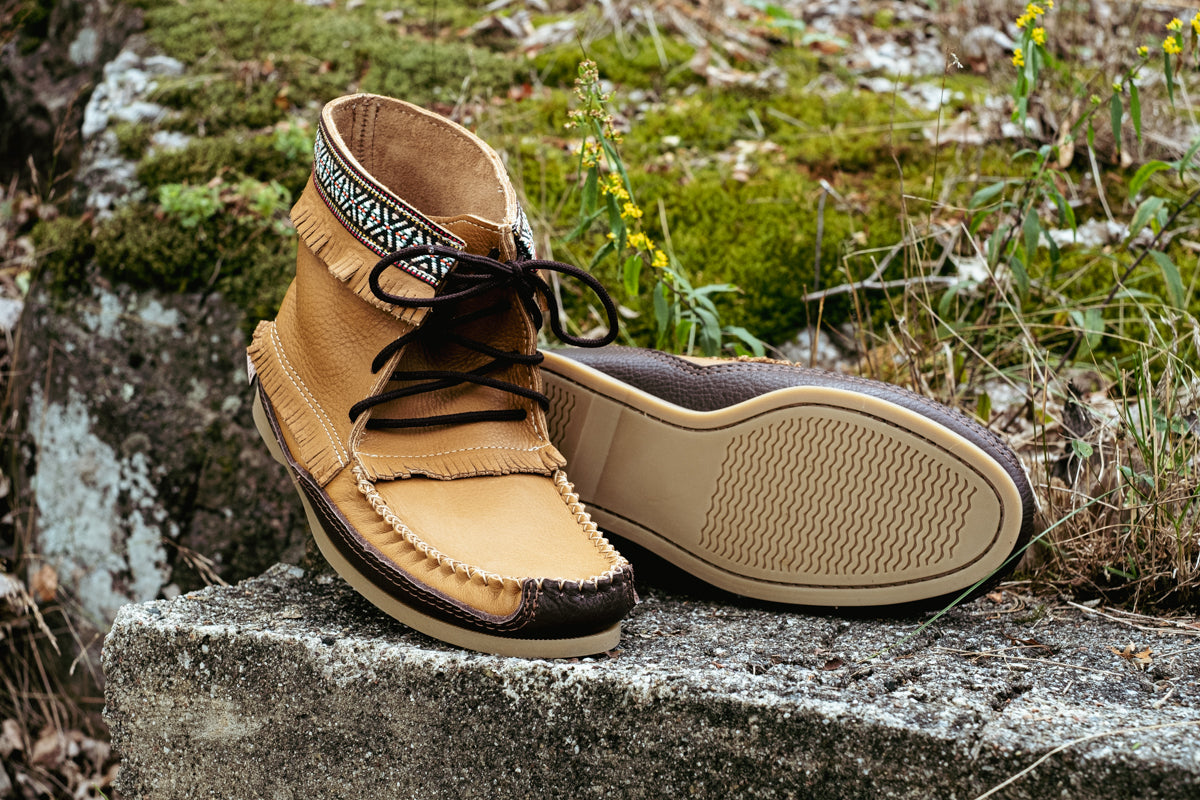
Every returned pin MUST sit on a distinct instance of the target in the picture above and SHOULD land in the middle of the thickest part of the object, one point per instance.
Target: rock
(105, 178)
(705, 698)
(145, 451)
(46, 73)
(826, 354)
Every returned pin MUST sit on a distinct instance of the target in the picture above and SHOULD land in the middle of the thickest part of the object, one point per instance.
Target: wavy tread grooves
(814, 496)
(562, 405)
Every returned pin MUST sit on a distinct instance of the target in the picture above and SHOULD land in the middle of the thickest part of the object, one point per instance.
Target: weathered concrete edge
(583, 728)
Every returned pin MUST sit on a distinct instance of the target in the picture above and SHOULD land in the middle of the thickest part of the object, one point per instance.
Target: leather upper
(473, 523)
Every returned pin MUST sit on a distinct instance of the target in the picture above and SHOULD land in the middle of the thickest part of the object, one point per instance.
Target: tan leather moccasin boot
(399, 384)
(785, 483)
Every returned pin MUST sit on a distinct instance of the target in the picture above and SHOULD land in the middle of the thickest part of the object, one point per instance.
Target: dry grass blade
(1079, 741)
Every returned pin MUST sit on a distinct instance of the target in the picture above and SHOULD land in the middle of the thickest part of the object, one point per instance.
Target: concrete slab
(290, 686)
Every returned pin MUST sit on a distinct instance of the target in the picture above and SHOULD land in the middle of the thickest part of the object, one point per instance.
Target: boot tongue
(506, 241)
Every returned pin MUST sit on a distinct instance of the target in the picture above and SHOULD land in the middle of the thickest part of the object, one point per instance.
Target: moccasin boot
(399, 384)
(785, 483)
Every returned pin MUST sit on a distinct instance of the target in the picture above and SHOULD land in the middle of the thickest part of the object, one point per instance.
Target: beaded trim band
(379, 219)
(523, 236)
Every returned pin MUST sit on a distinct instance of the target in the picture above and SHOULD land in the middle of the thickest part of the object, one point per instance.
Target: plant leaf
(630, 274)
(1135, 110)
(1178, 294)
(983, 407)
(1020, 275)
(1186, 161)
(591, 193)
(984, 195)
(1145, 212)
(1116, 111)
(662, 311)
(756, 345)
(1169, 74)
(602, 253)
(1031, 230)
(1143, 174)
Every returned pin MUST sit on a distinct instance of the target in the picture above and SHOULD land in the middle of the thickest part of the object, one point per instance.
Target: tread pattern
(812, 496)
(562, 404)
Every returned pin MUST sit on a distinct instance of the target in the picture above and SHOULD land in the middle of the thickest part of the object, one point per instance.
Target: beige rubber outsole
(806, 495)
(591, 644)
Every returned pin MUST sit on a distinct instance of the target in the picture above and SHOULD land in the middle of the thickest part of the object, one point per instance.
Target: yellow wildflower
(1018, 58)
(1196, 24)
(1050, 4)
(1024, 20)
(1175, 24)
(1034, 10)
(659, 261)
(639, 241)
(1143, 51)
(615, 186)
(1171, 47)
(1039, 35)
(630, 211)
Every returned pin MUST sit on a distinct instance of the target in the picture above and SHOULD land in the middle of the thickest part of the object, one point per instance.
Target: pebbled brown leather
(708, 387)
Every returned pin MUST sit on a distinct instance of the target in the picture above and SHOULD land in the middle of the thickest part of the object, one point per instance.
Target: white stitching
(309, 399)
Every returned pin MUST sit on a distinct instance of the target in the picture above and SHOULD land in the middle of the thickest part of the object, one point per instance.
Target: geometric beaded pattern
(523, 236)
(381, 221)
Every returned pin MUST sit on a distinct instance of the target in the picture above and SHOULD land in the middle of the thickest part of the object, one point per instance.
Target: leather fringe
(464, 463)
(351, 262)
(320, 450)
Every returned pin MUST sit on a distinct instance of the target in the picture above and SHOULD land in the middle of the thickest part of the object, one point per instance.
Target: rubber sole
(807, 495)
(591, 644)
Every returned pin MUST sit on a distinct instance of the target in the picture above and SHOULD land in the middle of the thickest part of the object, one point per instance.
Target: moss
(245, 262)
(133, 140)
(213, 103)
(630, 63)
(237, 153)
(64, 246)
(272, 55)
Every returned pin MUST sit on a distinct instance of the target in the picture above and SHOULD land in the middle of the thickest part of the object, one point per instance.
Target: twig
(817, 245)
(1171, 630)
(1081, 740)
(898, 283)
(989, 654)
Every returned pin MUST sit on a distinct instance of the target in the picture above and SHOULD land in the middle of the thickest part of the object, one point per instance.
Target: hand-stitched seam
(460, 450)
(426, 594)
(309, 399)
(566, 492)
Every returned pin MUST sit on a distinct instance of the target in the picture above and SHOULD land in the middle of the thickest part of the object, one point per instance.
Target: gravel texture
(291, 686)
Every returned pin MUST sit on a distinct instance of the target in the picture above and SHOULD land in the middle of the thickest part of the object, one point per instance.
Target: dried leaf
(50, 749)
(1030, 642)
(43, 584)
(832, 664)
(10, 738)
(996, 597)
(1139, 657)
